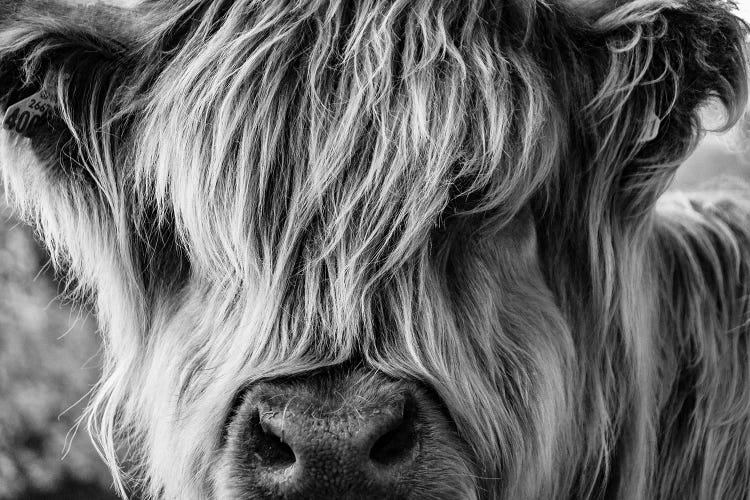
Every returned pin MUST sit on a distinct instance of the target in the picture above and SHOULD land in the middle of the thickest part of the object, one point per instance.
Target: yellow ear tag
(24, 116)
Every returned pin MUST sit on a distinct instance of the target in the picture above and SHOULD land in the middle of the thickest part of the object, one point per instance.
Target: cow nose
(304, 448)
(341, 433)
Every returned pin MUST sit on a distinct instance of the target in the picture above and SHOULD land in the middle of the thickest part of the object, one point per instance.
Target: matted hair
(457, 192)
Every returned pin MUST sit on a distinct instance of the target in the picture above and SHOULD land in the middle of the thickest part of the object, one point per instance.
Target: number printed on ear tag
(24, 116)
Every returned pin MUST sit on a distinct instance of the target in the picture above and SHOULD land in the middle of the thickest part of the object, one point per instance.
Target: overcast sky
(744, 8)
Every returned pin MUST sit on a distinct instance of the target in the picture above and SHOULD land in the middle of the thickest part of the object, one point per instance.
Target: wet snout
(335, 436)
(300, 449)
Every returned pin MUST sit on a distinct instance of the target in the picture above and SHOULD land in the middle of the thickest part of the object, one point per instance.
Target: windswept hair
(457, 192)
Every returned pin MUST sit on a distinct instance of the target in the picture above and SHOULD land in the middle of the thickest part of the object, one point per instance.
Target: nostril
(399, 441)
(267, 446)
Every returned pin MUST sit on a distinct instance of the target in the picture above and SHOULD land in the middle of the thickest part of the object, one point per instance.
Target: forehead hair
(336, 139)
(321, 148)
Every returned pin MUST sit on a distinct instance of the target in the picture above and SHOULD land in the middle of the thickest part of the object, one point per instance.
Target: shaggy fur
(458, 193)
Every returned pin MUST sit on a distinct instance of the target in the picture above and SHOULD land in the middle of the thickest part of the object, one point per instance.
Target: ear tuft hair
(76, 53)
(665, 59)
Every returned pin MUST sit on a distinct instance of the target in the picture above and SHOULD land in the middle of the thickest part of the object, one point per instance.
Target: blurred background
(49, 351)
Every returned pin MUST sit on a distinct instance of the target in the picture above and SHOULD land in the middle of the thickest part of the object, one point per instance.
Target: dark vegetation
(48, 362)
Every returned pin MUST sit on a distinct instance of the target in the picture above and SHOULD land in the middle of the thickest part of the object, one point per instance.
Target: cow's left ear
(651, 66)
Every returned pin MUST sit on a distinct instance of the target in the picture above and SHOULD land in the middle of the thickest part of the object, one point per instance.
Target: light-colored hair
(460, 193)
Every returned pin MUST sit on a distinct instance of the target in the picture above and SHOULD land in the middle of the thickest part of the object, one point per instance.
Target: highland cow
(391, 248)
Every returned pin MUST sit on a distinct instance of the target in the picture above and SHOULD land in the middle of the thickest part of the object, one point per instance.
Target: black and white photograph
(375, 249)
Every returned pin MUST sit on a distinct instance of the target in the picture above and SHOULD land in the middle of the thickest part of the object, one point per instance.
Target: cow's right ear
(59, 65)
(63, 74)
